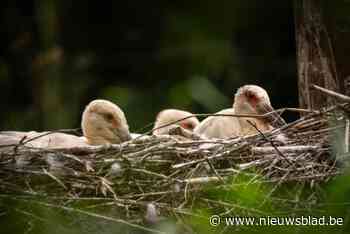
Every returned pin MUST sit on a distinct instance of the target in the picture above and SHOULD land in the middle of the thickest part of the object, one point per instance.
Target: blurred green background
(56, 56)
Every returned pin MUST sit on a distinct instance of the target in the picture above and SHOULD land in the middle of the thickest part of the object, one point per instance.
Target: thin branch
(271, 142)
(331, 93)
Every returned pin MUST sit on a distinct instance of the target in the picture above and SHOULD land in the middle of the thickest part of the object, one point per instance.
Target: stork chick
(219, 126)
(168, 116)
(254, 100)
(249, 100)
(102, 123)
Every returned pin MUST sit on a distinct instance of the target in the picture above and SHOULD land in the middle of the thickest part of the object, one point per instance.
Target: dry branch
(341, 97)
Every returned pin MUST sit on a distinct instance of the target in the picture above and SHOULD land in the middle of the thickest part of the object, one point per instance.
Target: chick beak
(121, 134)
(126, 136)
(273, 118)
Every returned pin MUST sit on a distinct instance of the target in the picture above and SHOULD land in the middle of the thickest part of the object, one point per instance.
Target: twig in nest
(204, 180)
(215, 156)
(214, 170)
(284, 149)
(331, 93)
(272, 144)
(55, 178)
(21, 142)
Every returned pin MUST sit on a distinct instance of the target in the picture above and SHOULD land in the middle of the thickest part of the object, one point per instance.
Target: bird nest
(171, 171)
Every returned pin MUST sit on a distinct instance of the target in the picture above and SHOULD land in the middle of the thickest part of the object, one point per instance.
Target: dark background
(145, 56)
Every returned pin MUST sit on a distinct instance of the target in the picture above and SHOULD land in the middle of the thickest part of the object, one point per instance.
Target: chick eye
(108, 117)
(250, 95)
(188, 126)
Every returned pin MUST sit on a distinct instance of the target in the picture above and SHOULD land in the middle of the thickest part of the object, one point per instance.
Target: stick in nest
(331, 93)
(272, 144)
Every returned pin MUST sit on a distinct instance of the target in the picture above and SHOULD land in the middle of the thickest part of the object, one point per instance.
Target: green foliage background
(59, 55)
